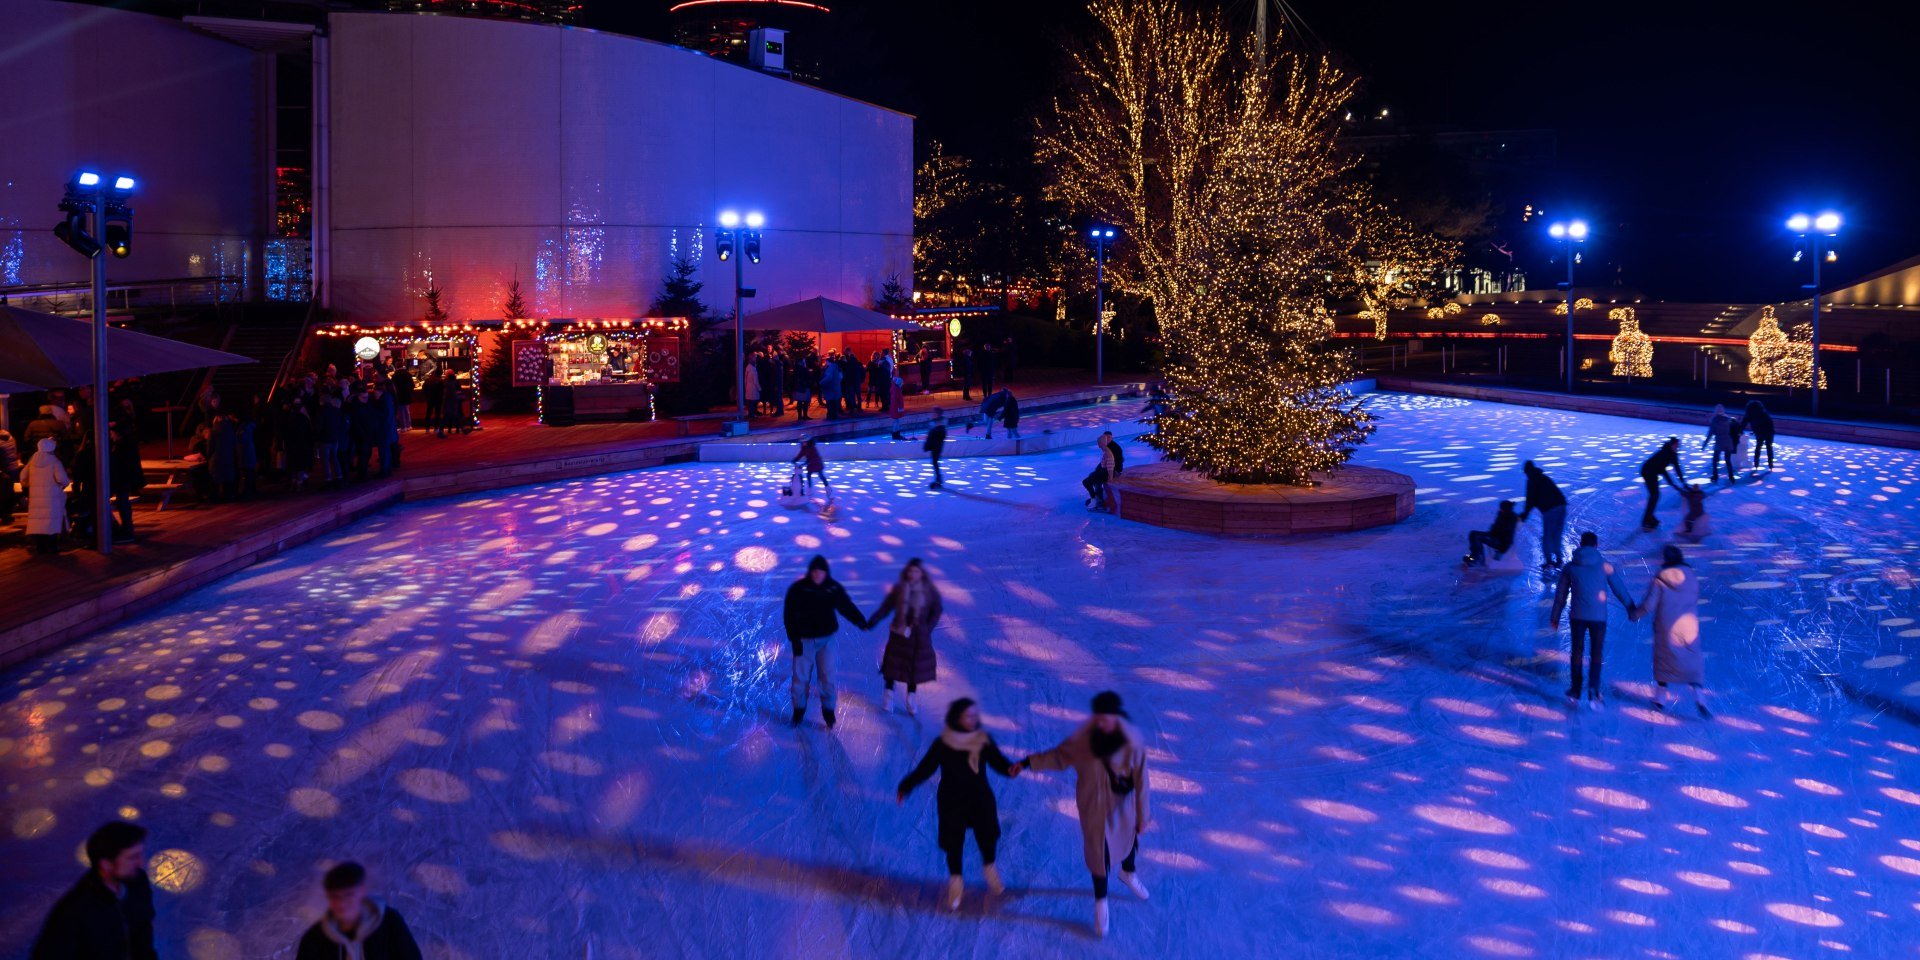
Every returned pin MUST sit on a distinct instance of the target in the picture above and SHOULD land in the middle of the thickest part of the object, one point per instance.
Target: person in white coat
(1673, 600)
(46, 497)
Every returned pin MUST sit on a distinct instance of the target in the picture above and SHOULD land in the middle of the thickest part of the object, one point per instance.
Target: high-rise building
(725, 30)
(536, 11)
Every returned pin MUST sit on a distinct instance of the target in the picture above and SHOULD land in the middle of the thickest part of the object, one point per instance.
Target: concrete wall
(469, 151)
(83, 85)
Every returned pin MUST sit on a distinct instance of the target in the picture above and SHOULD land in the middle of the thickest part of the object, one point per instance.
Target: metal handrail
(299, 343)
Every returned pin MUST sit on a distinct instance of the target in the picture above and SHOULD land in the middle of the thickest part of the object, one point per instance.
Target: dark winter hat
(1589, 539)
(1108, 702)
(819, 563)
(955, 709)
(344, 876)
(1529, 467)
(112, 839)
(1672, 557)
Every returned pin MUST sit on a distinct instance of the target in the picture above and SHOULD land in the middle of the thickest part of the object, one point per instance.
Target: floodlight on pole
(87, 197)
(1101, 236)
(729, 239)
(1827, 223)
(756, 220)
(1814, 230)
(87, 178)
(124, 184)
(729, 218)
(1569, 233)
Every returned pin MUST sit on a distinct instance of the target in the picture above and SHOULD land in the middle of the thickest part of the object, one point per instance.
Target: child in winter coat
(816, 466)
(909, 657)
(965, 800)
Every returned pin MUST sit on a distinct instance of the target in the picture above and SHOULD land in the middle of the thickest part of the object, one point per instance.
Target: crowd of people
(844, 385)
(1106, 753)
(1584, 586)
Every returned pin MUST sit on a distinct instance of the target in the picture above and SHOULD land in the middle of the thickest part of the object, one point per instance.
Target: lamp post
(733, 242)
(1100, 235)
(1569, 233)
(1813, 230)
(90, 197)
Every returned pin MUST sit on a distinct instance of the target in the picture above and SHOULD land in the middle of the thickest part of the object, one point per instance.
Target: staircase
(266, 333)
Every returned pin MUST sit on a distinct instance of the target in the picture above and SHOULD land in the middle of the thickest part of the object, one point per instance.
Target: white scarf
(354, 946)
(969, 743)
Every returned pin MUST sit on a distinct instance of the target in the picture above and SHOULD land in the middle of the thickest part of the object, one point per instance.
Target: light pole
(1568, 234)
(748, 241)
(90, 196)
(1101, 235)
(1813, 230)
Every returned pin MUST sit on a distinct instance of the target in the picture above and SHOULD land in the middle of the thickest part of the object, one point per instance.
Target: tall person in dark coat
(1760, 423)
(108, 914)
(1544, 495)
(356, 926)
(403, 398)
(909, 658)
(963, 371)
(965, 800)
(1654, 470)
(936, 444)
(983, 361)
(815, 603)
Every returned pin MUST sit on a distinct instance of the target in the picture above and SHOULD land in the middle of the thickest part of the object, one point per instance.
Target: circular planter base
(1355, 498)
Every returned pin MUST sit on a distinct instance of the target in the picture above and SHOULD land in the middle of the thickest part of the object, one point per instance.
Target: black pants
(1765, 443)
(1477, 543)
(915, 688)
(1096, 484)
(1722, 456)
(1126, 866)
(937, 479)
(1653, 500)
(1580, 631)
(953, 840)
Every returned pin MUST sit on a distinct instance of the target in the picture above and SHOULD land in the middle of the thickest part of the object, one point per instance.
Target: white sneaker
(1594, 703)
(954, 890)
(886, 701)
(993, 879)
(910, 711)
(1132, 882)
(1100, 917)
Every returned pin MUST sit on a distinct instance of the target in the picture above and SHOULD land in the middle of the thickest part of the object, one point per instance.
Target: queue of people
(842, 384)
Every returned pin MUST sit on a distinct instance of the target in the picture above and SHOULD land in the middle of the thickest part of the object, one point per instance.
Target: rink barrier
(1356, 498)
(1838, 431)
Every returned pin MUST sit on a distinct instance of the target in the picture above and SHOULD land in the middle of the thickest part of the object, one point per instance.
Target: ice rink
(552, 721)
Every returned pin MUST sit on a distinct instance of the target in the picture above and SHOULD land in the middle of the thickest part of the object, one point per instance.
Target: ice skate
(1594, 702)
(799, 716)
(1705, 714)
(910, 710)
(994, 884)
(886, 701)
(1100, 917)
(830, 718)
(1132, 882)
(954, 890)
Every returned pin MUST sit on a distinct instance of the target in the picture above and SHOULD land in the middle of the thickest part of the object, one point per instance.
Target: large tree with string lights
(1241, 222)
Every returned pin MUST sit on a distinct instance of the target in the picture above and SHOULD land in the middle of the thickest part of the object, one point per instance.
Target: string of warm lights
(1632, 351)
(1794, 367)
(1765, 348)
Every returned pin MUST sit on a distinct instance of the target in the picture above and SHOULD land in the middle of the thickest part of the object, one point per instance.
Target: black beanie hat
(955, 709)
(818, 563)
(1108, 702)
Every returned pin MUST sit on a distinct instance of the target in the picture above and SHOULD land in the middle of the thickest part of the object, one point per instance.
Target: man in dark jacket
(814, 605)
(1585, 584)
(108, 914)
(963, 371)
(936, 443)
(1654, 470)
(1544, 495)
(356, 926)
(1500, 537)
(403, 398)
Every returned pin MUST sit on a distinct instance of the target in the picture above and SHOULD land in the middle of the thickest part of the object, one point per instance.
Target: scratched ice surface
(552, 721)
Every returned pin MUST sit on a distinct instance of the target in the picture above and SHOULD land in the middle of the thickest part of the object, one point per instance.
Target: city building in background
(533, 11)
(779, 36)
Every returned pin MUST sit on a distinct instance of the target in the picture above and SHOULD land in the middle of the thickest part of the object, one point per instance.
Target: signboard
(366, 348)
(953, 327)
(663, 357)
(529, 363)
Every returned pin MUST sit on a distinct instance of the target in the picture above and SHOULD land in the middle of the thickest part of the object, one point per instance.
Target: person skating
(816, 465)
(990, 404)
(896, 403)
(1655, 469)
(1694, 523)
(1673, 600)
(1760, 423)
(1544, 495)
(965, 799)
(1720, 434)
(356, 926)
(1505, 524)
(909, 657)
(1109, 761)
(108, 914)
(815, 603)
(935, 444)
(1010, 413)
(1587, 582)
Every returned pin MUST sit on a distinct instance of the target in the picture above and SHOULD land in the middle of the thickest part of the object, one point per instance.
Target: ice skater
(1673, 600)
(965, 798)
(1109, 761)
(1720, 433)
(109, 912)
(1694, 524)
(896, 403)
(935, 444)
(1505, 524)
(1544, 495)
(814, 605)
(816, 466)
(1655, 469)
(1760, 423)
(356, 925)
(1096, 482)
(909, 657)
(1587, 582)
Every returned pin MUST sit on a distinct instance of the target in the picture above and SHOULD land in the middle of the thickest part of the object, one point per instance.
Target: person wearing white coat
(46, 497)
(1673, 600)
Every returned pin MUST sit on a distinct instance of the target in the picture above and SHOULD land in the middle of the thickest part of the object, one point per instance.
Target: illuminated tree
(496, 371)
(1632, 352)
(1765, 348)
(1242, 221)
(1794, 368)
(1394, 262)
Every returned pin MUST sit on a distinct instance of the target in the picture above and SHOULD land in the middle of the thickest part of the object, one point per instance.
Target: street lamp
(732, 242)
(1100, 235)
(1813, 230)
(90, 197)
(1569, 233)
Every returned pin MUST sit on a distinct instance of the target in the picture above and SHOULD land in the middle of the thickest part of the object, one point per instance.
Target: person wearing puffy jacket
(1587, 582)
(813, 607)
(46, 497)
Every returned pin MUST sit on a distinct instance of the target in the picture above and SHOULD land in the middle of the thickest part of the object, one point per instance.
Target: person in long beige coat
(1109, 758)
(1673, 600)
(46, 483)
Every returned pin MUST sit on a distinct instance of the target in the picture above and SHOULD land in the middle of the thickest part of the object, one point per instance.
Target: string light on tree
(1632, 351)
(1491, 320)
(1795, 366)
(1765, 349)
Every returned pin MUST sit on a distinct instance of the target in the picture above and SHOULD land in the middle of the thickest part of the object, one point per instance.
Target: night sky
(1686, 132)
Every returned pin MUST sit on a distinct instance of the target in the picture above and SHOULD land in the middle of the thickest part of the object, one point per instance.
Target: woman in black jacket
(965, 800)
(1760, 423)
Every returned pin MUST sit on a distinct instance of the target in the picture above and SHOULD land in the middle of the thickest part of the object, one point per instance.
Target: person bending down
(1500, 538)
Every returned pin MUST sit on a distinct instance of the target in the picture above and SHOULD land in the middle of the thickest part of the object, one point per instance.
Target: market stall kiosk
(431, 353)
(600, 369)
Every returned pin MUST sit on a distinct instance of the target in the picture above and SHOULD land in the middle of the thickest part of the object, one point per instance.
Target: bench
(685, 424)
(166, 493)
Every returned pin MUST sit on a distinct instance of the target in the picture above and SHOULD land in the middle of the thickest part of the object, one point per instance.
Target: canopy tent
(820, 315)
(39, 351)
